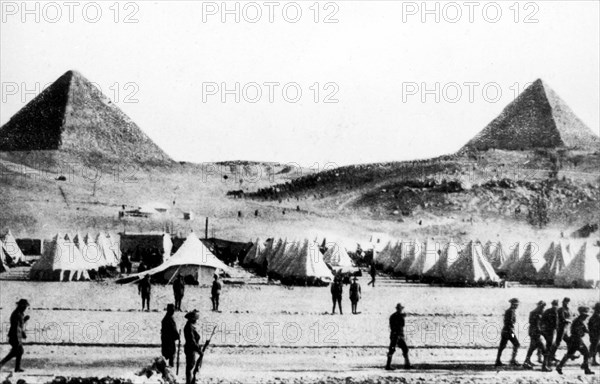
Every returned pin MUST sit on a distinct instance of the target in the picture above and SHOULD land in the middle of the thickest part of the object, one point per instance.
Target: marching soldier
(169, 335)
(355, 293)
(192, 347)
(16, 335)
(215, 293)
(178, 291)
(535, 333)
(564, 319)
(373, 273)
(575, 342)
(397, 337)
(144, 289)
(508, 334)
(549, 325)
(594, 325)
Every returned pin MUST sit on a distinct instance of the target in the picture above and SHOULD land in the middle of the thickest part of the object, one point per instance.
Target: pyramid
(72, 116)
(537, 118)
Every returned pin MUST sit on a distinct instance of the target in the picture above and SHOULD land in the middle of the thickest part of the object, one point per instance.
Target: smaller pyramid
(537, 118)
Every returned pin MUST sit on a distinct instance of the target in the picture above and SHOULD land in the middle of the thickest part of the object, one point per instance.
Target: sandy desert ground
(271, 333)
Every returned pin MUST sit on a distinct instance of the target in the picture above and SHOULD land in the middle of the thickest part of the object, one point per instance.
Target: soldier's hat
(399, 306)
(193, 315)
(566, 300)
(23, 302)
(514, 301)
(583, 310)
(541, 303)
(355, 278)
(554, 302)
(170, 306)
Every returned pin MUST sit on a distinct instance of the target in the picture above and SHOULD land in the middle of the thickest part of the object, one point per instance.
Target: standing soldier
(508, 333)
(535, 333)
(397, 337)
(549, 325)
(215, 293)
(594, 325)
(337, 291)
(144, 289)
(169, 335)
(16, 334)
(355, 293)
(575, 342)
(372, 272)
(178, 291)
(192, 347)
(564, 319)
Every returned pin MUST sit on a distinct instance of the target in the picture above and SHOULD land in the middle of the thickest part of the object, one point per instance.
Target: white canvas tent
(3, 258)
(12, 249)
(338, 259)
(425, 260)
(472, 267)
(60, 261)
(449, 256)
(410, 250)
(305, 264)
(193, 260)
(527, 268)
(583, 271)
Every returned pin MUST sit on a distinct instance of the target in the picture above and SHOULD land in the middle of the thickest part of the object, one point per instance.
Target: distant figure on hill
(594, 325)
(169, 335)
(16, 335)
(178, 291)
(397, 320)
(215, 293)
(373, 273)
(144, 289)
(337, 291)
(508, 334)
(575, 342)
(355, 294)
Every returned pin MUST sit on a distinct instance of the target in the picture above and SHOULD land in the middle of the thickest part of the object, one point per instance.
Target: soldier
(337, 291)
(144, 289)
(594, 325)
(564, 319)
(192, 347)
(215, 293)
(397, 337)
(549, 325)
(373, 273)
(16, 334)
(575, 342)
(178, 291)
(355, 293)
(535, 333)
(169, 335)
(508, 333)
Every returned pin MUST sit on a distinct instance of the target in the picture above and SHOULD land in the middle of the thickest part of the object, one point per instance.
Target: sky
(314, 83)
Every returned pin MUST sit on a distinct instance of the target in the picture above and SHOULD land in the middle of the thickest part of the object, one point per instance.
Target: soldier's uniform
(575, 342)
(178, 291)
(145, 288)
(549, 325)
(355, 293)
(192, 347)
(508, 333)
(215, 293)
(337, 290)
(564, 319)
(397, 321)
(16, 335)
(169, 335)
(594, 327)
(535, 334)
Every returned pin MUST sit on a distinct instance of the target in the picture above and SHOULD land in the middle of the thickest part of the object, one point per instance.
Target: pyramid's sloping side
(38, 125)
(73, 116)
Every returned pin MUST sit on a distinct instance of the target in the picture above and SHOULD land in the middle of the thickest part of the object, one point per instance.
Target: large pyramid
(72, 116)
(537, 118)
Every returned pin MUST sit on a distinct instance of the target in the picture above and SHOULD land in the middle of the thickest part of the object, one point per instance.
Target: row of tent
(10, 253)
(561, 264)
(299, 262)
(72, 258)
